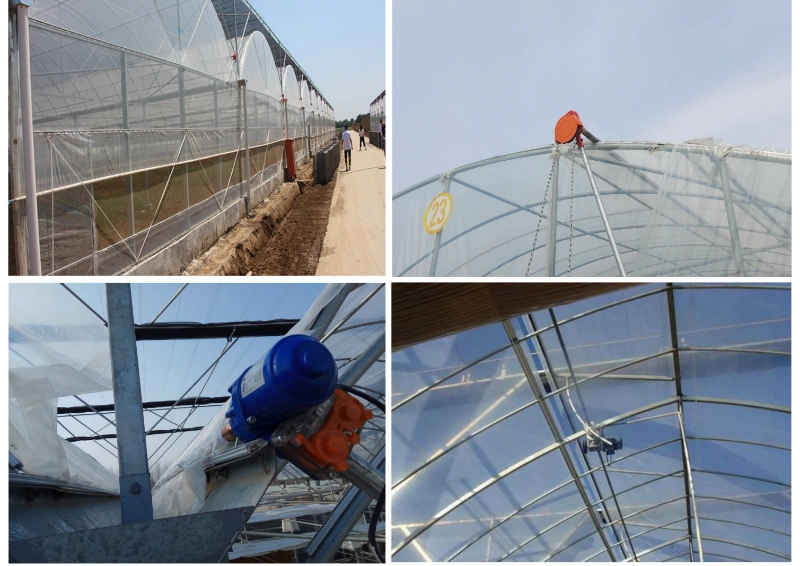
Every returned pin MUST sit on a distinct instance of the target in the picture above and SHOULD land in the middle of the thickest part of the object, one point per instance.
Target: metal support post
(29, 161)
(219, 148)
(731, 213)
(603, 214)
(123, 80)
(553, 226)
(687, 468)
(243, 87)
(182, 99)
(437, 242)
(134, 477)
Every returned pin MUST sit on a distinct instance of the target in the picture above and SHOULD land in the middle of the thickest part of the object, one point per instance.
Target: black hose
(373, 524)
(367, 396)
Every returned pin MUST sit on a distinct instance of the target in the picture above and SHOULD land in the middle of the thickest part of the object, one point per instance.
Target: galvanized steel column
(134, 476)
(553, 227)
(29, 162)
(123, 79)
(243, 87)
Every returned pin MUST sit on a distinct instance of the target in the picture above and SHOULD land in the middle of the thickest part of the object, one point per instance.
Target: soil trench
(284, 238)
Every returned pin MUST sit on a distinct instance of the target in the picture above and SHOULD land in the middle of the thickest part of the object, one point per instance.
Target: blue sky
(473, 79)
(341, 45)
(167, 368)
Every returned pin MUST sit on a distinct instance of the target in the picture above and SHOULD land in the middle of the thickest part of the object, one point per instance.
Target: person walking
(347, 146)
(380, 134)
(383, 137)
(361, 138)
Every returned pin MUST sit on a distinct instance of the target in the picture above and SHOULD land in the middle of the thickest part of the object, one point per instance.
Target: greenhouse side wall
(134, 152)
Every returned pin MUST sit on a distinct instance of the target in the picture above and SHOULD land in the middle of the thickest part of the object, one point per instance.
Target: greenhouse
(377, 112)
(212, 493)
(620, 423)
(134, 123)
(644, 209)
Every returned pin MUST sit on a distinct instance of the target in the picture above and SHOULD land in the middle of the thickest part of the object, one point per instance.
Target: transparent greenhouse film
(701, 208)
(127, 113)
(633, 425)
(57, 348)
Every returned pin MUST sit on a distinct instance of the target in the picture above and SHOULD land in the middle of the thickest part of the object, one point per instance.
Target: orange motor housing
(330, 446)
(568, 127)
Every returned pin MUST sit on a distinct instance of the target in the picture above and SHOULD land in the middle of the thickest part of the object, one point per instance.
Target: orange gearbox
(568, 127)
(330, 445)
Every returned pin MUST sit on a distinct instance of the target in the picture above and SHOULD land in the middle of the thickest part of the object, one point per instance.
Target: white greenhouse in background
(377, 112)
(699, 208)
(138, 126)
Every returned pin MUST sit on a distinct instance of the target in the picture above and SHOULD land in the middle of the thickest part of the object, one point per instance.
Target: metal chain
(571, 184)
(541, 214)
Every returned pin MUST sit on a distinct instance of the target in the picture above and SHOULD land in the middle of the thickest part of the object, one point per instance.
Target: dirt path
(284, 237)
(355, 242)
(296, 245)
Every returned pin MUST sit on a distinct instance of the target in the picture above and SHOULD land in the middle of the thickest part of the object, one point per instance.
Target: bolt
(251, 420)
(136, 488)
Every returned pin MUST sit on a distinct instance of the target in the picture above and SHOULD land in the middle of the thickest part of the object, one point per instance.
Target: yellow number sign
(437, 213)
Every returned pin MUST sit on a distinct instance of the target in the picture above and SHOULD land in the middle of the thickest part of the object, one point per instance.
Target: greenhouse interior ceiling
(699, 208)
(213, 498)
(140, 120)
(650, 423)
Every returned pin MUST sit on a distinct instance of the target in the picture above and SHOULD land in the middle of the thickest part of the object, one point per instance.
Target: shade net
(700, 208)
(488, 427)
(139, 127)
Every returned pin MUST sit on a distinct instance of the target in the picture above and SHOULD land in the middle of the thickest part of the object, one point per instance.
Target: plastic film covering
(138, 127)
(182, 488)
(700, 208)
(291, 92)
(184, 32)
(486, 451)
(57, 348)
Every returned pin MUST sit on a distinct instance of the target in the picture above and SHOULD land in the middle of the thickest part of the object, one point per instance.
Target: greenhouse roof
(699, 208)
(689, 383)
(239, 18)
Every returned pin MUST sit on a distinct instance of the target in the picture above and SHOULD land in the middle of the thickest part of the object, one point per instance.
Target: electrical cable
(373, 524)
(366, 396)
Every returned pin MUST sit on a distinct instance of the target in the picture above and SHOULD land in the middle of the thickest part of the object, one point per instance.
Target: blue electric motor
(296, 374)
